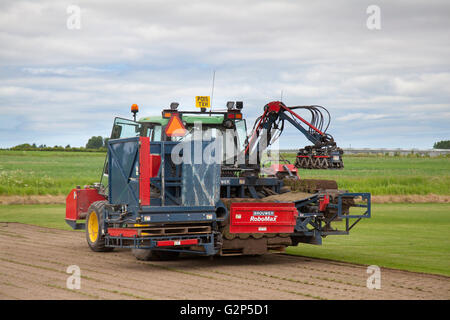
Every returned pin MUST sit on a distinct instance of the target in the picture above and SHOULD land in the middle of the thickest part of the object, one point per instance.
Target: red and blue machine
(154, 205)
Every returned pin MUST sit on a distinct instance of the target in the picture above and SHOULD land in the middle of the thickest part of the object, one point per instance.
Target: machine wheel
(152, 255)
(94, 222)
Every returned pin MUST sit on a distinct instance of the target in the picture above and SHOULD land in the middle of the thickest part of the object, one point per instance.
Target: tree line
(94, 144)
(98, 144)
(444, 144)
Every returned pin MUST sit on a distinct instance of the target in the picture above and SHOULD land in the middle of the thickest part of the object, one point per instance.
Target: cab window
(156, 133)
(124, 128)
(241, 130)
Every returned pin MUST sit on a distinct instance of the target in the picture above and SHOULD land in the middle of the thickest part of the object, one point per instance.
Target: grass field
(51, 216)
(40, 172)
(384, 175)
(411, 237)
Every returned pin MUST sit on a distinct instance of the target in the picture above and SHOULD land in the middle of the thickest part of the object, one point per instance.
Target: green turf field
(47, 172)
(411, 237)
(51, 215)
(41, 172)
(385, 175)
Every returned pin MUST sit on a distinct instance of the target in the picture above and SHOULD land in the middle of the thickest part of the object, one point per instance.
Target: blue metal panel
(154, 214)
(364, 197)
(201, 182)
(123, 162)
(175, 209)
(179, 217)
(173, 203)
(170, 185)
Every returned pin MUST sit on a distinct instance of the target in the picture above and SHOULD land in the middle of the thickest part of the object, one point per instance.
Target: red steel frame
(78, 202)
(144, 171)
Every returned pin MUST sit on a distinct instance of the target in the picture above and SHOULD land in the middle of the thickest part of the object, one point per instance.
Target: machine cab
(229, 125)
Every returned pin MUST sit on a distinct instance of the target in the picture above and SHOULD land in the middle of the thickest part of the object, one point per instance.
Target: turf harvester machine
(149, 201)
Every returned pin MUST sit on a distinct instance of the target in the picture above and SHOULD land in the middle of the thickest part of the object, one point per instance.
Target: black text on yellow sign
(202, 102)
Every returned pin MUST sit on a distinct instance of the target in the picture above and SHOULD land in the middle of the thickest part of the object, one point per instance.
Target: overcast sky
(384, 88)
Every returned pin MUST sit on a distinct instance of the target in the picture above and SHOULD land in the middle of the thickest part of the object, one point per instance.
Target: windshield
(233, 139)
(241, 131)
(124, 128)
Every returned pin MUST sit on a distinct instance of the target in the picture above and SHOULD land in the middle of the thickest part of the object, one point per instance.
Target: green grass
(411, 237)
(384, 175)
(41, 172)
(51, 216)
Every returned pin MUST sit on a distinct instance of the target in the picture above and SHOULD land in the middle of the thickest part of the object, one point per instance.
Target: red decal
(323, 203)
(262, 217)
(122, 232)
(171, 243)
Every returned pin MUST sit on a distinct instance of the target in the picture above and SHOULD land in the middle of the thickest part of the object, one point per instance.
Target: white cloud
(155, 52)
(362, 116)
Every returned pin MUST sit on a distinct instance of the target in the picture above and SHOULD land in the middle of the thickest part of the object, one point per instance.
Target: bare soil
(33, 199)
(61, 199)
(33, 263)
(429, 198)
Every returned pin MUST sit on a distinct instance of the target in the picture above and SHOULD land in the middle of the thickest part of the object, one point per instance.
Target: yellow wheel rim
(93, 227)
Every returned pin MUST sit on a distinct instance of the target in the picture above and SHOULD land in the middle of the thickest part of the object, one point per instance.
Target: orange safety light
(134, 110)
(238, 115)
(175, 127)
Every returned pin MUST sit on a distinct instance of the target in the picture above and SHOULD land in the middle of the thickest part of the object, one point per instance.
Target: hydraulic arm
(323, 154)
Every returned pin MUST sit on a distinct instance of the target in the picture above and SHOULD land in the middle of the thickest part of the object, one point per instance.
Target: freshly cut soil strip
(33, 263)
(415, 198)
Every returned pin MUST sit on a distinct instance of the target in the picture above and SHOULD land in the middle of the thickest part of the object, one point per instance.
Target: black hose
(317, 120)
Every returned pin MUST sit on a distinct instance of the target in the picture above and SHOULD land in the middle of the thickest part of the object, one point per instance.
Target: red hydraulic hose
(254, 132)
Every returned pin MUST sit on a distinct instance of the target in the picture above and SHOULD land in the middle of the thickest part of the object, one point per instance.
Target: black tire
(143, 254)
(94, 222)
(154, 255)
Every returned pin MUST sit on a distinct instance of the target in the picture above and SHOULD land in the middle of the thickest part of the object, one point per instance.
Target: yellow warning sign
(202, 102)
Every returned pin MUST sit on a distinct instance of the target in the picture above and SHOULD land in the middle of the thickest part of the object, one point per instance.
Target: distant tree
(444, 144)
(95, 143)
(23, 146)
(68, 146)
